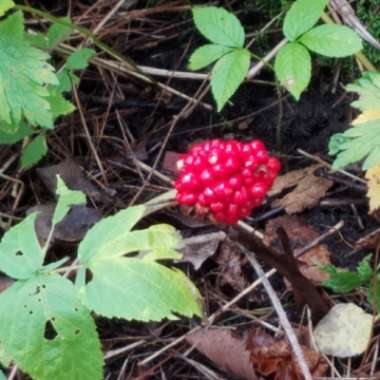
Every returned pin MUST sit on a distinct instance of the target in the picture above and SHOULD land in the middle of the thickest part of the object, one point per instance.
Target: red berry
(225, 178)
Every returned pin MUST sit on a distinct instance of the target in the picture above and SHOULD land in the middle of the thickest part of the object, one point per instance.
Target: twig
(292, 338)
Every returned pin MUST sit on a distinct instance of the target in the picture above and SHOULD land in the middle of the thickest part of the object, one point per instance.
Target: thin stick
(284, 321)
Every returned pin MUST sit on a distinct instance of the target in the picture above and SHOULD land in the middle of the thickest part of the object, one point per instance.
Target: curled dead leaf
(373, 177)
(306, 189)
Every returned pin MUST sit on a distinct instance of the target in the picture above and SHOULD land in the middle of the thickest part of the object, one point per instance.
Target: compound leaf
(207, 54)
(228, 74)
(293, 68)
(24, 74)
(302, 16)
(5, 6)
(20, 253)
(332, 40)
(34, 152)
(219, 26)
(136, 287)
(43, 318)
(66, 199)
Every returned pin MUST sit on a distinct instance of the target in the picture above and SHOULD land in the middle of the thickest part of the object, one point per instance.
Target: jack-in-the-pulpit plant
(46, 324)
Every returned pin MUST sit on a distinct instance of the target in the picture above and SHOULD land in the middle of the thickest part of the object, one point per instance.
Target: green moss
(368, 12)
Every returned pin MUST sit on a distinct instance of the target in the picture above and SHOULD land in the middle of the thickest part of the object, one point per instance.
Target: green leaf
(219, 26)
(67, 79)
(111, 229)
(302, 16)
(66, 199)
(206, 54)
(59, 105)
(79, 59)
(34, 152)
(24, 74)
(20, 253)
(332, 40)
(368, 89)
(2, 376)
(293, 68)
(11, 134)
(48, 305)
(59, 32)
(228, 74)
(364, 269)
(341, 281)
(5, 6)
(134, 287)
(374, 293)
(361, 141)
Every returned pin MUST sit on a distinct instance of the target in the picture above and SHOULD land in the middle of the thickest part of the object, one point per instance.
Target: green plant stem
(359, 56)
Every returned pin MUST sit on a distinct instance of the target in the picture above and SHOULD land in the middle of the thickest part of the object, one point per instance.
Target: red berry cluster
(225, 178)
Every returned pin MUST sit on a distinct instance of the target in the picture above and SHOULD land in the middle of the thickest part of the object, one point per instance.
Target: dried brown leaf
(300, 234)
(307, 190)
(274, 357)
(226, 349)
(369, 241)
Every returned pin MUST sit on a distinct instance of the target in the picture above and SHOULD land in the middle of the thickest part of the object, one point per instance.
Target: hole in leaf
(76, 309)
(19, 253)
(50, 332)
(43, 286)
(30, 312)
(77, 332)
(89, 276)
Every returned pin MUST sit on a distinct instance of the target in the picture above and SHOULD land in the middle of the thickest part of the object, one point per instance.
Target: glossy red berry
(225, 178)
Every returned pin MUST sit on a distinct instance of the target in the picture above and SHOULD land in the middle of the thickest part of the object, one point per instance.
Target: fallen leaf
(73, 176)
(231, 262)
(255, 353)
(300, 234)
(373, 177)
(345, 331)
(198, 249)
(307, 189)
(226, 349)
(275, 358)
(71, 229)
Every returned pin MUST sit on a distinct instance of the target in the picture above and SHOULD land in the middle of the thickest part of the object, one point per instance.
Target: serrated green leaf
(332, 40)
(59, 32)
(134, 287)
(111, 229)
(219, 26)
(302, 16)
(368, 89)
(364, 269)
(25, 310)
(11, 134)
(79, 59)
(59, 105)
(67, 79)
(341, 281)
(228, 74)
(24, 74)
(5, 6)
(206, 54)
(34, 152)
(66, 199)
(293, 68)
(141, 290)
(20, 253)
(361, 141)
